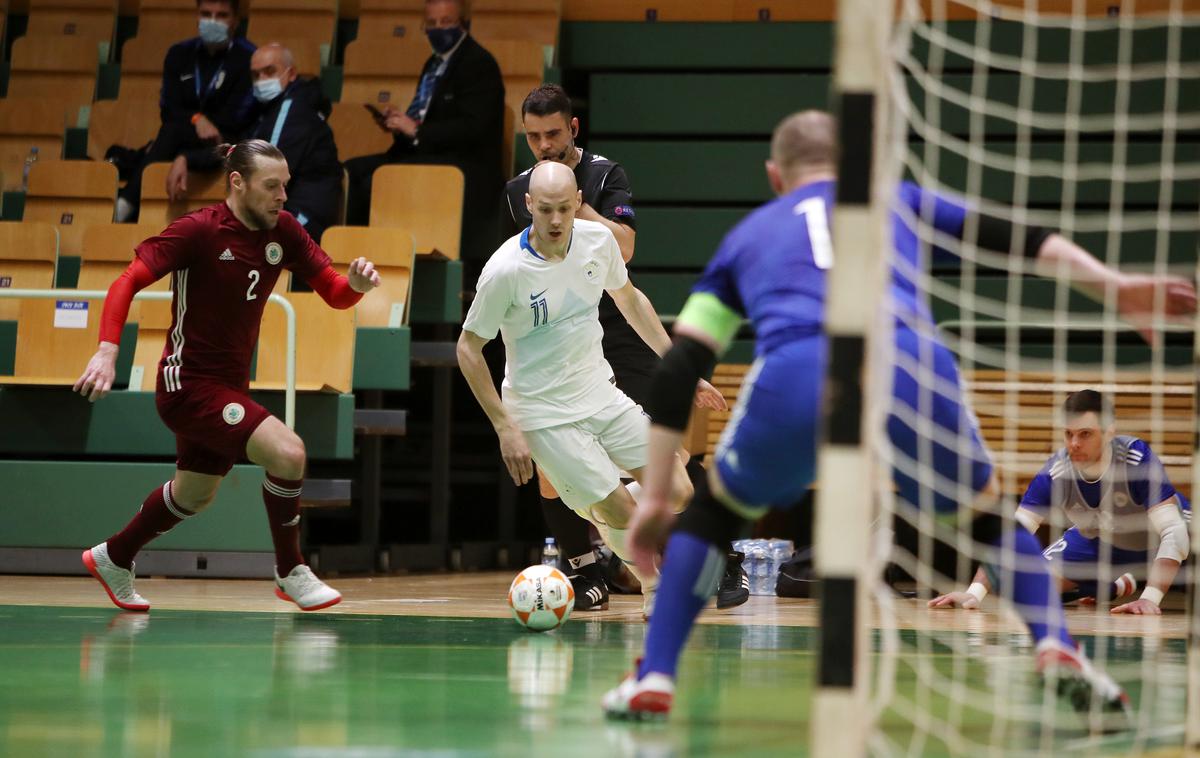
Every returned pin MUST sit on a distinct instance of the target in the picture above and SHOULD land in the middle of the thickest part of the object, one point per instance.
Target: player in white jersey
(1115, 492)
(541, 290)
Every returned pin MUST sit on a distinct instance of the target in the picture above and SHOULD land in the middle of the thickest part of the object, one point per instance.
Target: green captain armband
(706, 312)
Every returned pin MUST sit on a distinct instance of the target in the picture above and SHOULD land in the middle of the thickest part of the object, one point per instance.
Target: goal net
(1083, 118)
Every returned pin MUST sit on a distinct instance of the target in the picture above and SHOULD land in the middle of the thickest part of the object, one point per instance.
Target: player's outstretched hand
(1139, 608)
(98, 377)
(647, 532)
(363, 276)
(708, 396)
(1138, 300)
(964, 600)
(515, 452)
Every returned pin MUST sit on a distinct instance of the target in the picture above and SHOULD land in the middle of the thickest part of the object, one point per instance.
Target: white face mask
(213, 32)
(266, 90)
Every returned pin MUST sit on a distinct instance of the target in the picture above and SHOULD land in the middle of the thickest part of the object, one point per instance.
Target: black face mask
(443, 40)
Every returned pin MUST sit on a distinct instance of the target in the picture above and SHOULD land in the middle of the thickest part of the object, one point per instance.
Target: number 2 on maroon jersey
(253, 283)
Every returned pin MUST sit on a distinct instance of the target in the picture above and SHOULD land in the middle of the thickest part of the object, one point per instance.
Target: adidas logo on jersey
(226, 256)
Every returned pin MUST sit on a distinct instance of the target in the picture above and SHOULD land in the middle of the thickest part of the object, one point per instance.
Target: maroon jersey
(223, 275)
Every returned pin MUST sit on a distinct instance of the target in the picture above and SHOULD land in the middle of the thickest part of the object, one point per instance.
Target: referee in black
(551, 129)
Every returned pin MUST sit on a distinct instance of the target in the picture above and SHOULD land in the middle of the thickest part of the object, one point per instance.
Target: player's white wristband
(1153, 594)
(977, 591)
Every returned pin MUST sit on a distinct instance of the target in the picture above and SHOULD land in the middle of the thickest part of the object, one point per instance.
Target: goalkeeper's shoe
(640, 699)
(1079, 683)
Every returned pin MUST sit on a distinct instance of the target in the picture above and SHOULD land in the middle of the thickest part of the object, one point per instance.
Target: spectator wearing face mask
(205, 97)
(455, 117)
(292, 116)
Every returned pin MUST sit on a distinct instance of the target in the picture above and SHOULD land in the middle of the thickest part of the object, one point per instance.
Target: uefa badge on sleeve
(233, 414)
(274, 253)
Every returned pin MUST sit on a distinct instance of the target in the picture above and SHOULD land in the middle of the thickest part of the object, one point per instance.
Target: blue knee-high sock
(691, 570)
(1034, 591)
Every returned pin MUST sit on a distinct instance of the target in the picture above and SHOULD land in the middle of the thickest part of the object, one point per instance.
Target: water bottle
(29, 161)
(760, 569)
(550, 553)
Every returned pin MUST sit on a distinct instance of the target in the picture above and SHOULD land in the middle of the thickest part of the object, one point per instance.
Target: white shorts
(584, 459)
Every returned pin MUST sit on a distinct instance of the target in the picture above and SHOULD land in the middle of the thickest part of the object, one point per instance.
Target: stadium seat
(392, 250)
(383, 71)
(71, 195)
(355, 131)
(203, 189)
(532, 20)
(28, 257)
(521, 65)
(86, 19)
(314, 20)
(388, 19)
(63, 66)
(26, 123)
(784, 10)
(130, 122)
(168, 22)
(324, 346)
(50, 351)
(648, 10)
(142, 66)
(426, 200)
(108, 251)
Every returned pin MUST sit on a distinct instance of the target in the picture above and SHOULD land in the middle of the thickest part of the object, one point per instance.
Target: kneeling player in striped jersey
(1116, 493)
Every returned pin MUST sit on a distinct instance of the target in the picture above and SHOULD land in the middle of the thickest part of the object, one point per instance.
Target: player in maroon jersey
(224, 259)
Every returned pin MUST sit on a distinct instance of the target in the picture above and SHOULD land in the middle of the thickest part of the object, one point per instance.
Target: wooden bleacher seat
(63, 66)
(521, 66)
(383, 71)
(314, 20)
(306, 52)
(391, 19)
(50, 354)
(168, 21)
(355, 131)
(71, 195)
(324, 346)
(26, 123)
(130, 122)
(392, 250)
(154, 322)
(532, 20)
(91, 19)
(638, 10)
(427, 200)
(784, 10)
(203, 189)
(142, 66)
(28, 257)
(107, 252)
(1018, 415)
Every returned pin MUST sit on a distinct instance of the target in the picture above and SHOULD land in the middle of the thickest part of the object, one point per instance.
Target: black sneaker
(734, 588)
(590, 594)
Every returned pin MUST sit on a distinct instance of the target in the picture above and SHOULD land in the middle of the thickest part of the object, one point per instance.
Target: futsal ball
(541, 598)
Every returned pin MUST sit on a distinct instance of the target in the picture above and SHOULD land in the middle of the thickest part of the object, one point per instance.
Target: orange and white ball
(541, 598)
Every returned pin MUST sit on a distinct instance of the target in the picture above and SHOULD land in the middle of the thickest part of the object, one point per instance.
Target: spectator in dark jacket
(205, 97)
(292, 114)
(456, 117)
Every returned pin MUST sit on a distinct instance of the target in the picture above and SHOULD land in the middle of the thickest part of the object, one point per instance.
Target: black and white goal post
(841, 721)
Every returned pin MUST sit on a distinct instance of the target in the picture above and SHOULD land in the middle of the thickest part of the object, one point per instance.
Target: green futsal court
(86, 682)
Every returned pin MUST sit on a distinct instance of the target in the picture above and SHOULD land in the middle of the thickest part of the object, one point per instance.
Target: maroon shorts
(211, 422)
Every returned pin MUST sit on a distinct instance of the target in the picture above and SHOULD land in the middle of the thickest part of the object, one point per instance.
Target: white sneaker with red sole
(640, 699)
(302, 587)
(116, 581)
(1079, 683)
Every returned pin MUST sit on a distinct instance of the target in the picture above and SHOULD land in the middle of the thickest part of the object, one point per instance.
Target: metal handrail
(289, 392)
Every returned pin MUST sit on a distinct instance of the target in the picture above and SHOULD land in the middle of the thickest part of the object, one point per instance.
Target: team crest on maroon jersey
(233, 414)
(274, 253)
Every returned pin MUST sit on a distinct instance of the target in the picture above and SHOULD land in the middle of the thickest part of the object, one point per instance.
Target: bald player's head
(552, 200)
(803, 148)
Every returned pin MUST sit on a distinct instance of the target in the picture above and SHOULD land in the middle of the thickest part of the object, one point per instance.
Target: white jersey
(546, 311)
